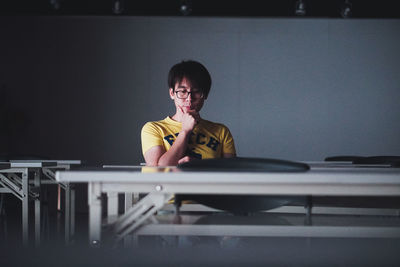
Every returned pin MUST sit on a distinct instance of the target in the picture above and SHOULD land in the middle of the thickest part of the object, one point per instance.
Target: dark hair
(195, 72)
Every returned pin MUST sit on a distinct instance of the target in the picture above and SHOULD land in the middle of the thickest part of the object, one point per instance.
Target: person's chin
(187, 108)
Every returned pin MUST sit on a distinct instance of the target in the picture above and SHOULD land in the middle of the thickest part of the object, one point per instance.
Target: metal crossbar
(140, 212)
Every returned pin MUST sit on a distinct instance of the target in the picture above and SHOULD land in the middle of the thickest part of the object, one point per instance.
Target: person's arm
(153, 154)
(228, 150)
(177, 150)
(157, 156)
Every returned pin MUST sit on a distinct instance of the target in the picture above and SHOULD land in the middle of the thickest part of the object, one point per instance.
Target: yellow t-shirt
(208, 139)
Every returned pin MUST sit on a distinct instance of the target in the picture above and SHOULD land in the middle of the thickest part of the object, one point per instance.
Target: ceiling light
(118, 7)
(346, 9)
(186, 7)
(55, 4)
(300, 8)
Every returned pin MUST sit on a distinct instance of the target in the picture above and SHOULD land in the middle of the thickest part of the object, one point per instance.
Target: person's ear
(171, 93)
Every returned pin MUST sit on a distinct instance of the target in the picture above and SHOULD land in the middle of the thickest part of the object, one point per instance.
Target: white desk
(69, 200)
(16, 180)
(4, 166)
(162, 183)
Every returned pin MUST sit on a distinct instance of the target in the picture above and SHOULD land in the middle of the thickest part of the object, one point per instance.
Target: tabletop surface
(321, 179)
(4, 165)
(36, 161)
(32, 164)
(325, 173)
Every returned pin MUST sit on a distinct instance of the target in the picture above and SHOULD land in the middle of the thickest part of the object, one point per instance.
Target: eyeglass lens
(184, 94)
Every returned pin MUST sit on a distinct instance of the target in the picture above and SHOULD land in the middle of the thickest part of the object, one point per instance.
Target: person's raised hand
(190, 118)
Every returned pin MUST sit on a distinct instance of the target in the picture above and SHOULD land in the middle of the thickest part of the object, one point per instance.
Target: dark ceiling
(200, 8)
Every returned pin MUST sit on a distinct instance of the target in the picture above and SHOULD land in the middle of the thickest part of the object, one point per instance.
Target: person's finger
(195, 115)
(182, 109)
(184, 159)
(193, 112)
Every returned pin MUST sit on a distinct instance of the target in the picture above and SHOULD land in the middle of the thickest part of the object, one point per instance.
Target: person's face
(193, 101)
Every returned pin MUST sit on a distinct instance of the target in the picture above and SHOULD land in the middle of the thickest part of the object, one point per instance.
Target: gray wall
(298, 89)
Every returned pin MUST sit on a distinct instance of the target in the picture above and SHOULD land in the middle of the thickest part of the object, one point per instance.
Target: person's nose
(189, 97)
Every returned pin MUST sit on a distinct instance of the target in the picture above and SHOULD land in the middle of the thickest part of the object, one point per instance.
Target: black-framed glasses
(183, 94)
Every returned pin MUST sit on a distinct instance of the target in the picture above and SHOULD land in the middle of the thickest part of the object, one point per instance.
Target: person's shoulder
(153, 124)
(213, 124)
(158, 124)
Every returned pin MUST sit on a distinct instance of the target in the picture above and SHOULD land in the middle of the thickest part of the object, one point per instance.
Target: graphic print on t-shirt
(197, 142)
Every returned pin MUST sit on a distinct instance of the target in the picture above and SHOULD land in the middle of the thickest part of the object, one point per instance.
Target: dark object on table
(242, 204)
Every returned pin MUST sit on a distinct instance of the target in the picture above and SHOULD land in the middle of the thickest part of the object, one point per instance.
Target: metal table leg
(72, 221)
(25, 207)
(128, 241)
(112, 205)
(36, 183)
(94, 201)
(3, 217)
(67, 213)
(69, 205)
(128, 201)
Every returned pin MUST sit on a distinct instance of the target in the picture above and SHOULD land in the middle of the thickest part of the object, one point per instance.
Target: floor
(167, 250)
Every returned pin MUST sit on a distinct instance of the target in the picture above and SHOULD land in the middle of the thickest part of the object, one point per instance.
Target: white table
(69, 191)
(16, 178)
(162, 183)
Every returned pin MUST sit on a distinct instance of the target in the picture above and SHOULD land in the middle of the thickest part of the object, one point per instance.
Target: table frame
(15, 179)
(160, 187)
